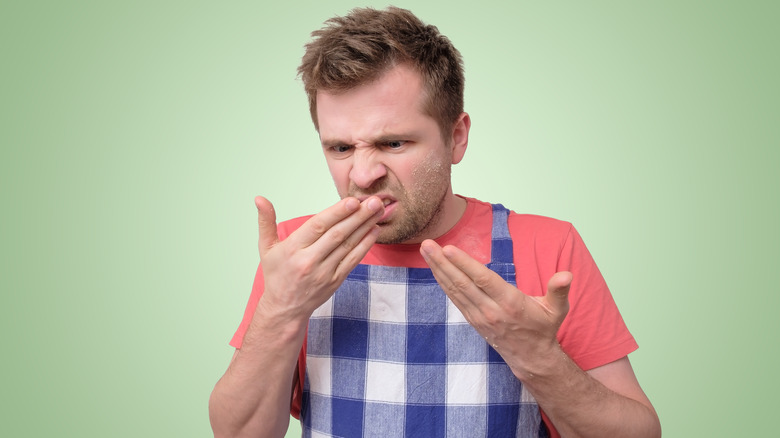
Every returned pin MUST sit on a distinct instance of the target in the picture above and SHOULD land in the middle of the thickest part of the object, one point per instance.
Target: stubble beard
(419, 216)
(420, 210)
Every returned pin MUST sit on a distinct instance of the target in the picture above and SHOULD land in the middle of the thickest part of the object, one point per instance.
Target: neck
(451, 209)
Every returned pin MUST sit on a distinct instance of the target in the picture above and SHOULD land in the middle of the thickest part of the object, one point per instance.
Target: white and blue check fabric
(389, 355)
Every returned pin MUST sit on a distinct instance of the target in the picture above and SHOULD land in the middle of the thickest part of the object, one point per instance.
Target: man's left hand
(520, 327)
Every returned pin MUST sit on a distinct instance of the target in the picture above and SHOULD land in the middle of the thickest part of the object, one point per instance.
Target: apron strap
(501, 247)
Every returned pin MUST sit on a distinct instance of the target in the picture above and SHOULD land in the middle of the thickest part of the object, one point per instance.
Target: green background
(136, 134)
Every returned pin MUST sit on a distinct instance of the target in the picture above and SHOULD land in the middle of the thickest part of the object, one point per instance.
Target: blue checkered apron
(389, 355)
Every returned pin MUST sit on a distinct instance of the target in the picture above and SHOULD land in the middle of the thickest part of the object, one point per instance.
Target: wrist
(273, 329)
(547, 362)
(278, 311)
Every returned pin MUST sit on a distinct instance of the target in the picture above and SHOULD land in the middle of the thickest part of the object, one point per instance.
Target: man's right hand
(305, 269)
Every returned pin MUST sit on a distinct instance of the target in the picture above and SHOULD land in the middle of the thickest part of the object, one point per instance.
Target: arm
(606, 401)
(300, 273)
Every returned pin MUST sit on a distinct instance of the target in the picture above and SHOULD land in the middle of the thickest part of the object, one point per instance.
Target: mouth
(389, 204)
(385, 200)
(389, 209)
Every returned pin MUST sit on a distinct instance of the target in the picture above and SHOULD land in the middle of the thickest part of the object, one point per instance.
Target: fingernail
(352, 204)
(373, 204)
(425, 249)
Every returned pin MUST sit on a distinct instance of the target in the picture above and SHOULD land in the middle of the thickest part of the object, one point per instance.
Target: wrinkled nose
(366, 169)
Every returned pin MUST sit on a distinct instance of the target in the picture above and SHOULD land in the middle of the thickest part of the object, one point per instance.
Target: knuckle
(482, 281)
(317, 226)
(303, 265)
(349, 245)
(491, 317)
(322, 279)
(338, 235)
(459, 285)
(515, 313)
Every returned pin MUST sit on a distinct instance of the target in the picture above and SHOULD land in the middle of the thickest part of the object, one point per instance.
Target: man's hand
(520, 327)
(305, 269)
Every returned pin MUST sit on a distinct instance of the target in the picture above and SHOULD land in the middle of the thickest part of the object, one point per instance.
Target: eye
(395, 144)
(341, 149)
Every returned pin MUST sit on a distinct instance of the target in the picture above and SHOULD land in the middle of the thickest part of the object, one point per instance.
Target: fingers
(338, 237)
(350, 254)
(464, 279)
(557, 297)
(467, 280)
(483, 278)
(346, 252)
(266, 222)
(337, 223)
(338, 230)
(460, 269)
(495, 308)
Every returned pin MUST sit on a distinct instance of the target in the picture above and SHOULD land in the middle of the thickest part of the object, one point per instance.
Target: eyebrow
(333, 143)
(327, 143)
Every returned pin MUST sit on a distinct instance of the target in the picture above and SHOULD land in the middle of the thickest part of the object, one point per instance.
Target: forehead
(394, 101)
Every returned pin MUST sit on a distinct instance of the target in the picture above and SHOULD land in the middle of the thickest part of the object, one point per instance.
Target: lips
(388, 202)
(389, 208)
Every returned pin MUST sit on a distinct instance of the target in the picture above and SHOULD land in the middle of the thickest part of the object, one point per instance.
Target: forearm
(253, 396)
(298, 274)
(579, 405)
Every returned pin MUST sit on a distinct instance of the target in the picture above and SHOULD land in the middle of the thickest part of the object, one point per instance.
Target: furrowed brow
(334, 143)
(393, 137)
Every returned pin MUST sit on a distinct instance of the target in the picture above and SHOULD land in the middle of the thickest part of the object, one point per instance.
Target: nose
(367, 168)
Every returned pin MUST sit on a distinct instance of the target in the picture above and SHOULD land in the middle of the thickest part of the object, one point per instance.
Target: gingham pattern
(389, 355)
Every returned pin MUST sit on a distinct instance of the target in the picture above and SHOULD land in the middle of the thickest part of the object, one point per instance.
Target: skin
(377, 142)
(388, 161)
(605, 401)
(253, 396)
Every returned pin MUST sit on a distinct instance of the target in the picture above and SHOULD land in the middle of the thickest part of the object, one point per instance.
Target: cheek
(430, 170)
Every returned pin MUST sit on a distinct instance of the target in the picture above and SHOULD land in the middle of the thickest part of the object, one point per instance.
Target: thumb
(266, 222)
(558, 293)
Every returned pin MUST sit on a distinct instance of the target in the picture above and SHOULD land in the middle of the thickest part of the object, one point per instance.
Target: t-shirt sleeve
(593, 333)
(249, 312)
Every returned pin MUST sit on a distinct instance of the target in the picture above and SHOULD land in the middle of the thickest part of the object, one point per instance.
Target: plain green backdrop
(135, 135)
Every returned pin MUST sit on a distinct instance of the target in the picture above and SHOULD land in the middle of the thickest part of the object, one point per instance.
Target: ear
(460, 137)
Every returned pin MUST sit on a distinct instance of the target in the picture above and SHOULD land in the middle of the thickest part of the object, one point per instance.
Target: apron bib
(389, 355)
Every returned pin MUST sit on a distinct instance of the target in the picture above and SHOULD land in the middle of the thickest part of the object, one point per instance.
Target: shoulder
(519, 219)
(521, 226)
(538, 226)
(544, 237)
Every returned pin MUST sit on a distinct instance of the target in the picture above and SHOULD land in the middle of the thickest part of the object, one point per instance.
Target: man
(407, 310)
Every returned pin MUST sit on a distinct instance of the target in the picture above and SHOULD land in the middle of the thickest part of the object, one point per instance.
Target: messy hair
(358, 48)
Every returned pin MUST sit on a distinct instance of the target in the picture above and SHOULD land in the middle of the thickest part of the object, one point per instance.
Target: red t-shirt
(593, 333)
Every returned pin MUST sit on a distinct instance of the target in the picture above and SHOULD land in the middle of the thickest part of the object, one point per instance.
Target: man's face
(377, 141)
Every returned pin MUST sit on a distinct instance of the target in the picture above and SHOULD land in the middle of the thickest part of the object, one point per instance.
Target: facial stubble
(420, 209)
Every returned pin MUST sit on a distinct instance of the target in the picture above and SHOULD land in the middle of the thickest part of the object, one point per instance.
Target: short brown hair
(358, 48)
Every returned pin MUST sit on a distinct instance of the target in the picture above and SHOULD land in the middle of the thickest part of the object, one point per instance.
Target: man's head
(359, 48)
(378, 142)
